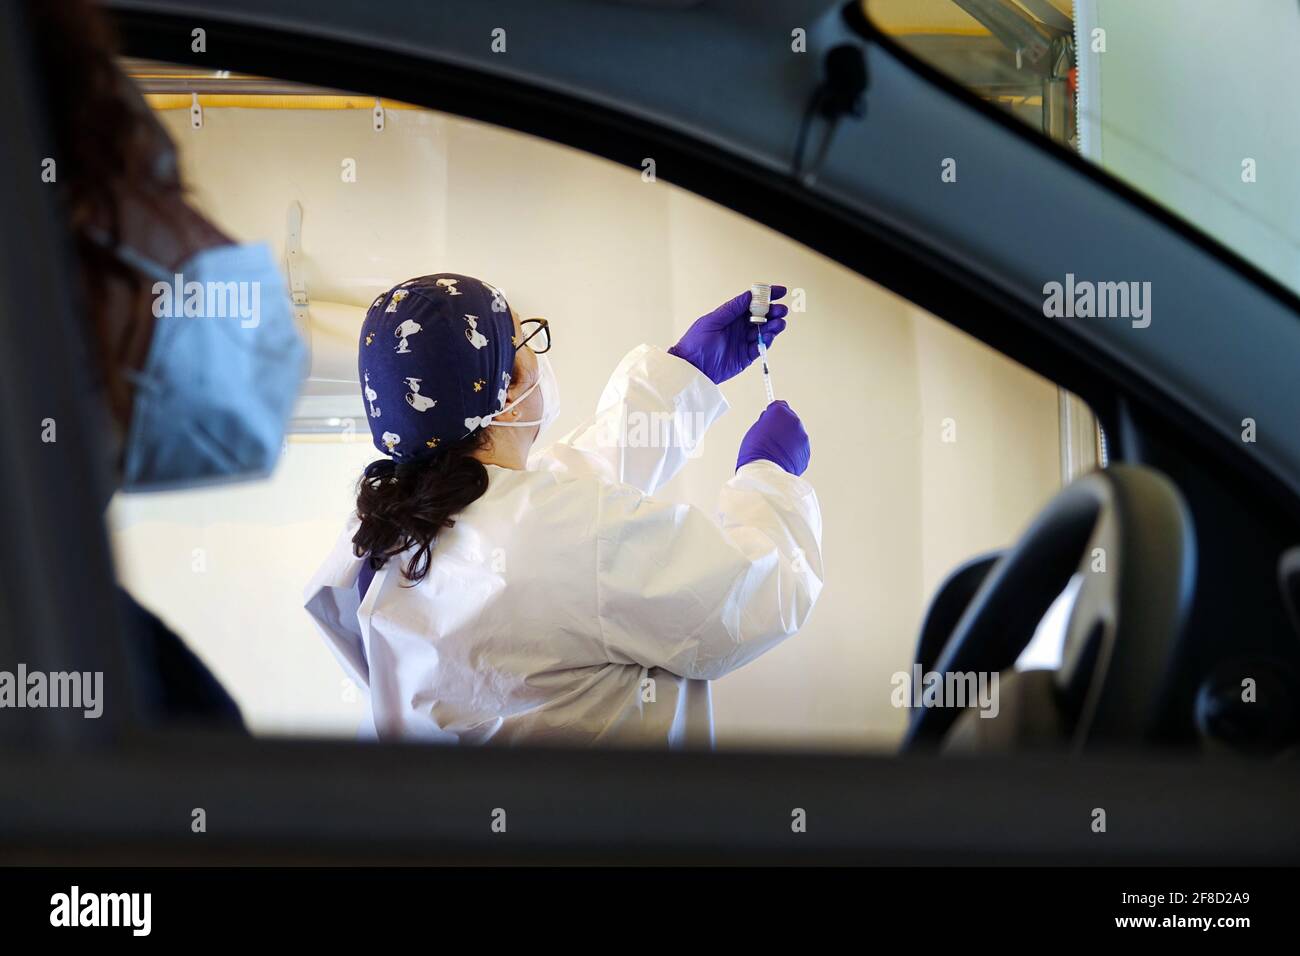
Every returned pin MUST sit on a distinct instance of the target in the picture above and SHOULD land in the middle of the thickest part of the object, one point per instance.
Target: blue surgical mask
(222, 373)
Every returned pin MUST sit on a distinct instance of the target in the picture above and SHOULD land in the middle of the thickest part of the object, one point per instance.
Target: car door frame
(122, 791)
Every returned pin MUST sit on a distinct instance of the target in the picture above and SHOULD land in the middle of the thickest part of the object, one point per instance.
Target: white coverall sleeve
(676, 590)
(332, 601)
(650, 419)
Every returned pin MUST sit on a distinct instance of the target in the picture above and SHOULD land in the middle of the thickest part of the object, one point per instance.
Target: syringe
(760, 298)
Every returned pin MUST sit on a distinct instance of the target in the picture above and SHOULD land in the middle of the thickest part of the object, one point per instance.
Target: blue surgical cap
(434, 359)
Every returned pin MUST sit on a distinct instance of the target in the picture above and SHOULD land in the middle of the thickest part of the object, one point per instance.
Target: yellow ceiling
(933, 16)
(266, 101)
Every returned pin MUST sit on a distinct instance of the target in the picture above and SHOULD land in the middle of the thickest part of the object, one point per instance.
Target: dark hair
(406, 504)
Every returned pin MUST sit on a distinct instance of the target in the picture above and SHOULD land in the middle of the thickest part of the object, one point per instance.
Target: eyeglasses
(536, 334)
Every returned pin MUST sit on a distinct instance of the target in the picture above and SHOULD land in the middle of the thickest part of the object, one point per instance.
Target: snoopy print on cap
(371, 396)
(404, 331)
(396, 300)
(475, 337)
(421, 403)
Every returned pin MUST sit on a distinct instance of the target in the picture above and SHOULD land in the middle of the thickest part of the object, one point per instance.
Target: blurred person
(189, 393)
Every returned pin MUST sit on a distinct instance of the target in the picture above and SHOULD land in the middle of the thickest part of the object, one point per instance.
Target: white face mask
(550, 386)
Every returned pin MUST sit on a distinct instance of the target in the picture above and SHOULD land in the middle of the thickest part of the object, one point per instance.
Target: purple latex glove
(723, 343)
(778, 437)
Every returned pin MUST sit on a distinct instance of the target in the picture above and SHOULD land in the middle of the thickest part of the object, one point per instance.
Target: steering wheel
(1125, 536)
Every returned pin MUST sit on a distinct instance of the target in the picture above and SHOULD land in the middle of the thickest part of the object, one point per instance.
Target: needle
(767, 373)
(759, 299)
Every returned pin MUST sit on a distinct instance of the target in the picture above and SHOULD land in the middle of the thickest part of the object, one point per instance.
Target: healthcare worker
(479, 594)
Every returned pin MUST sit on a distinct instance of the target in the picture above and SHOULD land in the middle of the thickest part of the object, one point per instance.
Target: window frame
(131, 796)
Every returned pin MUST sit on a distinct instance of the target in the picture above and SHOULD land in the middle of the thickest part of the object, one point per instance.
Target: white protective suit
(567, 605)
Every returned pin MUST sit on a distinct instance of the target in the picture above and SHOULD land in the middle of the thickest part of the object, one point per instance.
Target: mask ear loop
(142, 264)
(147, 267)
(527, 392)
(488, 420)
